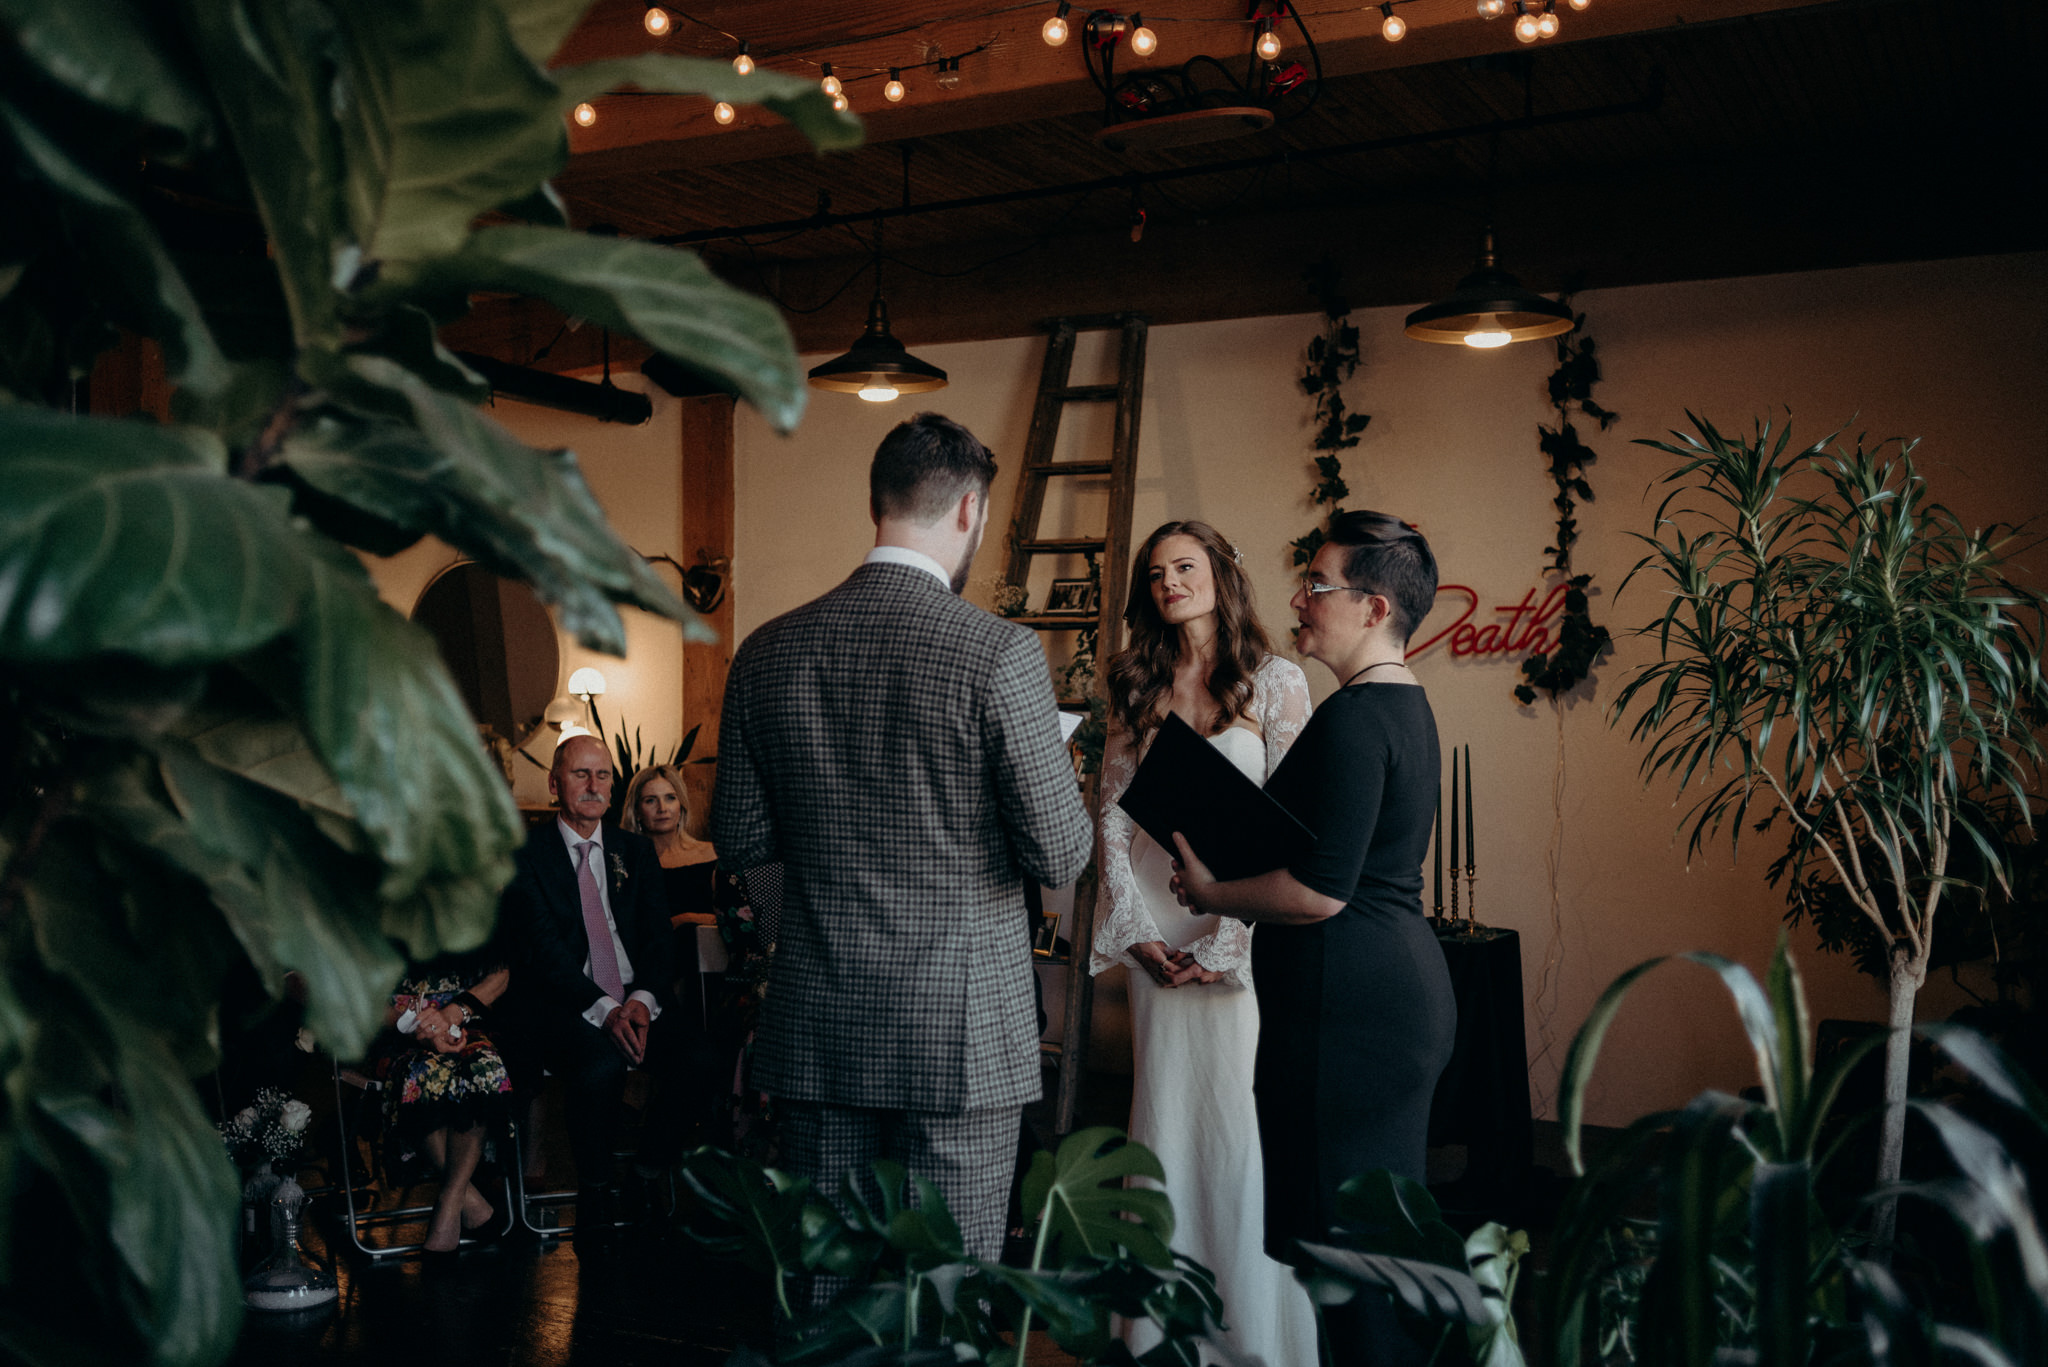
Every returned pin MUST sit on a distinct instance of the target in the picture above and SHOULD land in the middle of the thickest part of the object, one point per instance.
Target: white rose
(295, 1116)
(245, 1118)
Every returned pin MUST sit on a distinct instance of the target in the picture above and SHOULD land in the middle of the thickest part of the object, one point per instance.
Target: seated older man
(591, 927)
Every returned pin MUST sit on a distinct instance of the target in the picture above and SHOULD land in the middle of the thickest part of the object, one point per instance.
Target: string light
(893, 92)
(1492, 9)
(1546, 23)
(1394, 28)
(1269, 41)
(585, 114)
(722, 112)
(830, 85)
(1056, 28)
(743, 63)
(657, 20)
(1580, 4)
(949, 73)
(1144, 42)
(1526, 28)
(839, 102)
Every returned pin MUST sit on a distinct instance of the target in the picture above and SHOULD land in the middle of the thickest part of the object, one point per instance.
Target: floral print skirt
(425, 1091)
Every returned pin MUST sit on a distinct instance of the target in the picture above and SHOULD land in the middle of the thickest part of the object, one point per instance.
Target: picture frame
(1071, 597)
(1045, 939)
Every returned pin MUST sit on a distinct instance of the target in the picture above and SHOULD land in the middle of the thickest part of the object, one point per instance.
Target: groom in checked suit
(898, 750)
(590, 919)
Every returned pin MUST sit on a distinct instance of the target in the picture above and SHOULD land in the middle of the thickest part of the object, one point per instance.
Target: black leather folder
(1185, 784)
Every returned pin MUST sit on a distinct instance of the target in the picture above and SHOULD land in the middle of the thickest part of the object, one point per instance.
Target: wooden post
(706, 521)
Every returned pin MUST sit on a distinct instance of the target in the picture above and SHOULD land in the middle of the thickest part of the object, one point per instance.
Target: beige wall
(1944, 351)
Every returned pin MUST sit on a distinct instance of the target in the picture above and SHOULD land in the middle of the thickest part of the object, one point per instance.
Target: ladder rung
(1071, 467)
(1086, 393)
(1072, 545)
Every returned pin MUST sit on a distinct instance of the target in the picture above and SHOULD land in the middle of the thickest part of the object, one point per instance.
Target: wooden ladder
(1113, 552)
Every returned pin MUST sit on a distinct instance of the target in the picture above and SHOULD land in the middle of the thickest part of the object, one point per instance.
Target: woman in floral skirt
(445, 1081)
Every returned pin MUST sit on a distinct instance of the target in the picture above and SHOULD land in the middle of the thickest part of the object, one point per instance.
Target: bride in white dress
(1197, 650)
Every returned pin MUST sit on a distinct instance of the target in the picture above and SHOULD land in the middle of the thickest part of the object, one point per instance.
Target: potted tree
(1838, 650)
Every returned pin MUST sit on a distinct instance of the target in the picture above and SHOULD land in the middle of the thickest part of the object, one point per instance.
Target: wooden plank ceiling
(1651, 140)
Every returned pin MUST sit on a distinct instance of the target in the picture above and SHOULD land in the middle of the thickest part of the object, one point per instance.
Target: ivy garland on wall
(1581, 641)
(1332, 359)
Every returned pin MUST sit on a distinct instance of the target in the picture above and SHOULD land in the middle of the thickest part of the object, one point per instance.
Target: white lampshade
(586, 683)
(571, 729)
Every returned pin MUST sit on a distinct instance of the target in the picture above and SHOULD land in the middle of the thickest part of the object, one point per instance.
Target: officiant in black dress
(1357, 1017)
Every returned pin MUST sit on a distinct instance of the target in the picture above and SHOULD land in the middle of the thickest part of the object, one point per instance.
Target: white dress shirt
(604, 1005)
(903, 555)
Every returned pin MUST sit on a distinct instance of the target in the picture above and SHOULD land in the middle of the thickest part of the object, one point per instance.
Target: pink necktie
(604, 960)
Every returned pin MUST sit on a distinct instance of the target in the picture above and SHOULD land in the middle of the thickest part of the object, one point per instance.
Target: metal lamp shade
(1489, 300)
(877, 361)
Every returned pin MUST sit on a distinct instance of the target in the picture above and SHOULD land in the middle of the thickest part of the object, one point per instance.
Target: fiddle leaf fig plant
(1837, 650)
(221, 751)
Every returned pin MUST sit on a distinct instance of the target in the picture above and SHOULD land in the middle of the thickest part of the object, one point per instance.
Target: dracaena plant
(218, 747)
(1745, 1262)
(1838, 651)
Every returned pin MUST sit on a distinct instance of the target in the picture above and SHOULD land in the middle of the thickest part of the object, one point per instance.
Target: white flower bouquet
(272, 1127)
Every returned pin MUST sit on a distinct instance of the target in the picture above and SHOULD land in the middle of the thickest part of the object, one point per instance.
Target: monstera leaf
(1088, 1209)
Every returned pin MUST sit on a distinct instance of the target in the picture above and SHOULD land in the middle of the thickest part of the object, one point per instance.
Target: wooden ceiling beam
(1013, 75)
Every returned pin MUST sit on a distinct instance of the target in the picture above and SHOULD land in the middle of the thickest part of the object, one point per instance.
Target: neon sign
(1526, 631)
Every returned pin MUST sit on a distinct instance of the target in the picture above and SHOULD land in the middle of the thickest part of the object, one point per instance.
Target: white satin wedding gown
(1193, 1048)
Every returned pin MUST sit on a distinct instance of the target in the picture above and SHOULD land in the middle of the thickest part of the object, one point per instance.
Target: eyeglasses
(1312, 587)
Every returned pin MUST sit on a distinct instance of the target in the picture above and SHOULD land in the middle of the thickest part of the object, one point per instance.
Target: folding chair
(360, 1200)
(536, 1209)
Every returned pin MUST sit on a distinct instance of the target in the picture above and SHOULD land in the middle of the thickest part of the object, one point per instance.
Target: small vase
(282, 1281)
(256, 1193)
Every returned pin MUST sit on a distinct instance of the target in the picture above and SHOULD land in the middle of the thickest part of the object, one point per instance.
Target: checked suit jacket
(544, 909)
(898, 750)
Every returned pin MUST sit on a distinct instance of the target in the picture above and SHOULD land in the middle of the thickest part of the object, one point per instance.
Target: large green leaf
(1428, 1289)
(394, 448)
(1087, 1209)
(442, 118)
(376, 701)
(795, 98)
(539, 26)
(120, 537)
(106, 51)
(1384, 1213)
(113, 232)
(665, 296)
(738, 1209)
(295, 902)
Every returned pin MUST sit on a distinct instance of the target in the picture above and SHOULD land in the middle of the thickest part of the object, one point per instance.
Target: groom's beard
(967, 559)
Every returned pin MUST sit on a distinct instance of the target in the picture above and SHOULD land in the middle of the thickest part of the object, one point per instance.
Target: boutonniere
(618, 868)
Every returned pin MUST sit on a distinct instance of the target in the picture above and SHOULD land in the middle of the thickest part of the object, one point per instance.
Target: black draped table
(1482, 1100)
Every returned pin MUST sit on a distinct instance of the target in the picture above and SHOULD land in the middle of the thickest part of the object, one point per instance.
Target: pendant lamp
(877, 366)
(1489, 308)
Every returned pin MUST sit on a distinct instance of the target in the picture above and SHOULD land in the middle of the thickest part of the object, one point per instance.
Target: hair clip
(1236, 555)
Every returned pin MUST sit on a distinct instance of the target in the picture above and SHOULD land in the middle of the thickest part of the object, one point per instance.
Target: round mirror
(498, 642)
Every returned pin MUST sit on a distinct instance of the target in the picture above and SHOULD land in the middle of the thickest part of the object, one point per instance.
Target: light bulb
(839, 103)
(949, 73)
(830, 85)
(1492, 9)
(586, 114)
(1144, 42)
(1269, 44)
(743, 63)
(1579, 4)
(1526, 28)
(1056, 28)
(1546, 25)
(878, 393)
(722, 112)
(657, 20)
(1487, 333)
(893, 91)
(1395, 28)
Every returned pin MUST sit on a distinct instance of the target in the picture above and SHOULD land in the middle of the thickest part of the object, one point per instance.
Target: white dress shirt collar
(574, 841)
(903, 555)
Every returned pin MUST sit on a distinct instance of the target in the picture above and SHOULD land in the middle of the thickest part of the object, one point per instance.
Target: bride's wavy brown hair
(1141, 675)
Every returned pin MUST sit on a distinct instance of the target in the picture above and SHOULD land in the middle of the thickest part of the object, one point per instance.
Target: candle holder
(1472, 926)
(1453, 923)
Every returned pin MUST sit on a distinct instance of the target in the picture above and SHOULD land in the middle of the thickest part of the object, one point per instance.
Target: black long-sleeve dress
(1356, 1013)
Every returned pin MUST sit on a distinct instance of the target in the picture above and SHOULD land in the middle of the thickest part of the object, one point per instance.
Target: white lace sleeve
(1280, 706)
(1121, 919)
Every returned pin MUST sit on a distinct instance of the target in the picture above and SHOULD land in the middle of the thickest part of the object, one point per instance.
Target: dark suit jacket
(899, 751)
(544, 911)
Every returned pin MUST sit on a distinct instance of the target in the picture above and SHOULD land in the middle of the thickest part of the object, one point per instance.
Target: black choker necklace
(1369, 668)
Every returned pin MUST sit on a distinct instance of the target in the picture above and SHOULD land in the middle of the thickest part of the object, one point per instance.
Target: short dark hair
(923, 467)
(1386, 556)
